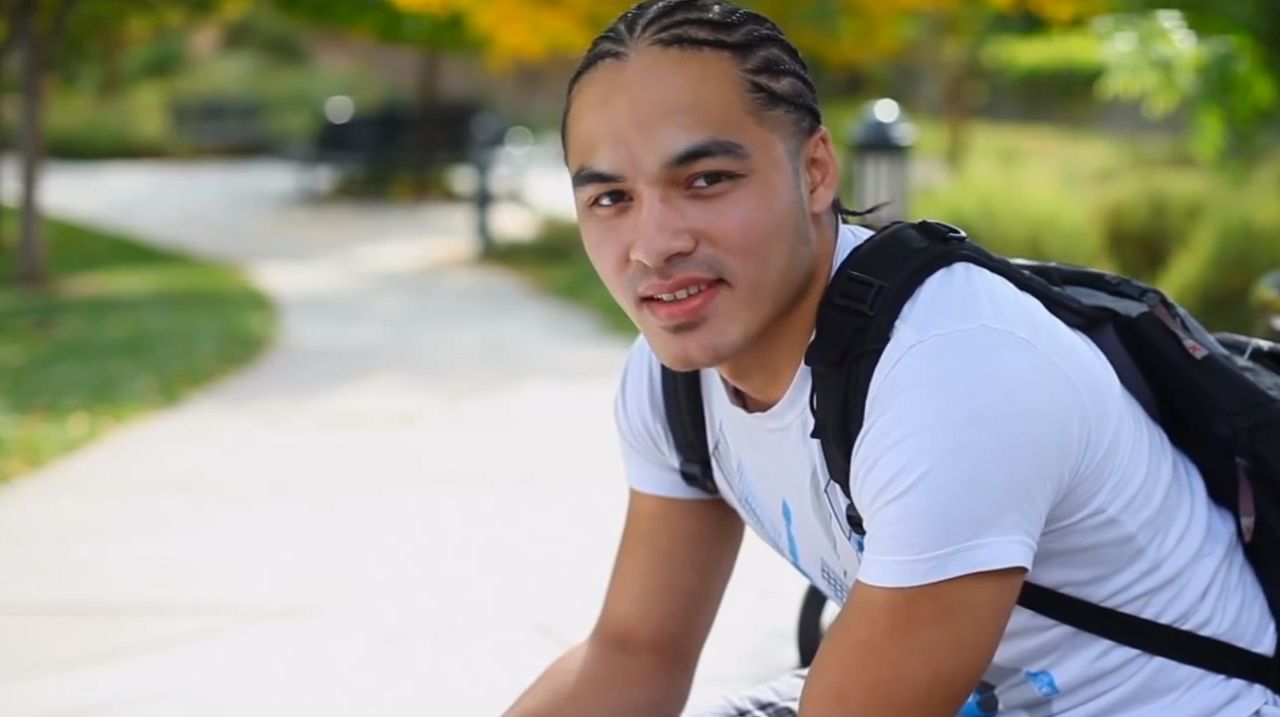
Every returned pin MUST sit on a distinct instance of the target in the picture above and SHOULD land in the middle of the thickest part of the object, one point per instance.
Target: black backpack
(1216, 395)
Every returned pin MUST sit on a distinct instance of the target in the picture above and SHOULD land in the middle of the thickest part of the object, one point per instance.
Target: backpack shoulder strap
(682, 401)
(855, 319)
(857, 316)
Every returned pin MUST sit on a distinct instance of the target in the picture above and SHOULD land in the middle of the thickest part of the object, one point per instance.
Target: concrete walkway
(406, 506)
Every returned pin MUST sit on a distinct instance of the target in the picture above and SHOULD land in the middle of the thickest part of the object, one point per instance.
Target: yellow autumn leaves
(513, 31)
(840, 32)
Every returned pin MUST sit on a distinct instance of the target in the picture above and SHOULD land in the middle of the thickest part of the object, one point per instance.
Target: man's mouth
(684, 305)
(682, 294)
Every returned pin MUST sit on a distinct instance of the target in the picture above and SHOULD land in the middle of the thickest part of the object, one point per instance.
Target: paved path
(406, 506)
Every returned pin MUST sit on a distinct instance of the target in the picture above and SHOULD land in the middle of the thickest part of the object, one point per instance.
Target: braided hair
(776, 76)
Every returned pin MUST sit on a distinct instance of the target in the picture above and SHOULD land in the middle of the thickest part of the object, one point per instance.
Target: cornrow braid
(776, 76)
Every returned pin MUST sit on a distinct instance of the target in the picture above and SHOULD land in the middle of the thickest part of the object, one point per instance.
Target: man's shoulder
(642, 371)
(639, 399)
(967, 299)
(965, 295)
(648, 447)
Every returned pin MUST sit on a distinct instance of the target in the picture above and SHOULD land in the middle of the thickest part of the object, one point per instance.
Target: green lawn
(122, 329)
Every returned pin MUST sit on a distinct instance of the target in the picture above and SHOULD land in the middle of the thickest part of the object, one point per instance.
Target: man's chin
(681, 353)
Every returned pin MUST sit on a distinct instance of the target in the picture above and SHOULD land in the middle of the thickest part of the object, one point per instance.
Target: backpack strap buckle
(944, 231)
(858, 293)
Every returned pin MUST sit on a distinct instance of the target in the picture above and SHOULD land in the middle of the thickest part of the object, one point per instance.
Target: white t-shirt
(995, 437)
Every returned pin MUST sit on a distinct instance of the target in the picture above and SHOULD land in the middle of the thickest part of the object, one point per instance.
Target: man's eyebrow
(587, 176)
(708, 149)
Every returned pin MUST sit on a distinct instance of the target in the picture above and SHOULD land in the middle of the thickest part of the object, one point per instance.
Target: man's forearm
(595, 679)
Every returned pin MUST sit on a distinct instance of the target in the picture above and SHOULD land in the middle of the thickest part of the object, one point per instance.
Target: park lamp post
(881, 142)
(486, 130)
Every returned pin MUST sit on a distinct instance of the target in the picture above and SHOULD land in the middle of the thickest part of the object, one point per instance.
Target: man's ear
(822, 172)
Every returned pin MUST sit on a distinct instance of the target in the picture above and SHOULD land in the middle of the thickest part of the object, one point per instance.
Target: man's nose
(660, 234)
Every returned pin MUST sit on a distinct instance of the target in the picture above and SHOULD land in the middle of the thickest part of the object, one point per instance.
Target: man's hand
(911, 652)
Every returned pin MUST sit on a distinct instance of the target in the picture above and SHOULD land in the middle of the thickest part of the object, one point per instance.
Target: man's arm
(911, 652)
(672, 567)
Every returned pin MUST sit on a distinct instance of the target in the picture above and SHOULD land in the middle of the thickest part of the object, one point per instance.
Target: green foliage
(1044, 72)
(268, 33)
(123, 330)
(83, 125)
(381, 20)
(1026, 190)
(1159, 60)
(1254, 22)
(139, 120)
(98, 31)
(1237, 98)
(162, 56)
(1075, 53)
(1149, 216)
(1217, 273)
(1023, 221)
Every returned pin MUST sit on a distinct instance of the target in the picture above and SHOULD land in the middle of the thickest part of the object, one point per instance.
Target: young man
(997, 441)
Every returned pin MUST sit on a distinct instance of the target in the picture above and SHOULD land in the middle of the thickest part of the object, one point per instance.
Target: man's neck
(759, 377)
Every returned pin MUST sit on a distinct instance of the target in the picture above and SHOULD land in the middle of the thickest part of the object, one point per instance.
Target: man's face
(684, 192)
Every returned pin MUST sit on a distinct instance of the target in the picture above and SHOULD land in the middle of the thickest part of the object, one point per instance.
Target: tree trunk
(112, 64)
(957, 99)
(8, 8)
(32, 256)
(5, 136)
(957, 65)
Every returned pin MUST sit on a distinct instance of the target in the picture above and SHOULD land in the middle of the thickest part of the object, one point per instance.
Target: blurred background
(305, 384)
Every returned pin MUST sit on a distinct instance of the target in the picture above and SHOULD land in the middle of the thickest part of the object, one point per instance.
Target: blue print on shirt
(788, 519)
(749, 507)
(793, 548)
(837, 588)
(1043, 682)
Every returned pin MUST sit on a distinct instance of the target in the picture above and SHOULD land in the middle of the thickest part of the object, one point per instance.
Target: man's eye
(609, 199)
(710, 179)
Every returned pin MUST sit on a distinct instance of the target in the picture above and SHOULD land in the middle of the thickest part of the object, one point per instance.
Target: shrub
(83, 125)
(1218, 271)
(1016, 219)
(1146, 219)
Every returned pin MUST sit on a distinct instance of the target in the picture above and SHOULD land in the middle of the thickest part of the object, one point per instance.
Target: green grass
(557, 263)
(122, 329)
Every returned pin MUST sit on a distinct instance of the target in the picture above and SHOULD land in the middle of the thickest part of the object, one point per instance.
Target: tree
(9, 12)
(1220, 63)
(41, 27)
(382, 20)
(839, 34)
(38, 28)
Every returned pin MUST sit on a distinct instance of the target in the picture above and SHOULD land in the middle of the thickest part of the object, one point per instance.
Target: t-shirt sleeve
(648, 450)
(970, 436)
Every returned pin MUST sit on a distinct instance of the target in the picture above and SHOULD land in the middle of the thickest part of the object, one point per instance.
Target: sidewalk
(407, 506)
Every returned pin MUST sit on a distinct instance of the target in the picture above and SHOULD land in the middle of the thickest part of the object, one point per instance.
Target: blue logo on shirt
(1043, 682)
